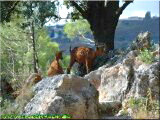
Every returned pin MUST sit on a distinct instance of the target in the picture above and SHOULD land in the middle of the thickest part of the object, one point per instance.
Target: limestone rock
(114, 82)
(64, 94)
(142, 41)
(145, 77)
(109, 107)
(129, 78)
(94, 77)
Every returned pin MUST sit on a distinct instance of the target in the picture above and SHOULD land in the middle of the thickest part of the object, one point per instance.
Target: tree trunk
(35, 59)
(104, 37)
(103, 22)
(103, 17)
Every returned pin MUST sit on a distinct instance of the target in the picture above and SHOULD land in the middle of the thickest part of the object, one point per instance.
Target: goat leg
(70, 66)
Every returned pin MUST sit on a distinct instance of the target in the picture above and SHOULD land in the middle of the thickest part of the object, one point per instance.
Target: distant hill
(127, 30)
(57, 35)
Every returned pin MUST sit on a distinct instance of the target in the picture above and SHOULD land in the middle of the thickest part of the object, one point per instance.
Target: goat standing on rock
(55, 67)
(84, 55)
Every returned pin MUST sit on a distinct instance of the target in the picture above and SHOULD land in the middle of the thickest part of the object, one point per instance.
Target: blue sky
(140, 7)
(137, 8)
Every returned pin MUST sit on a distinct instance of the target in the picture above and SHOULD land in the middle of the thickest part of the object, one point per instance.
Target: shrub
(8, 107)
(17, 106)
(142, 108)
(65, 62)
(146, 56)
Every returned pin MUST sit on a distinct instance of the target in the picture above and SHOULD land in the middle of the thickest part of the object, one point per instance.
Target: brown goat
(84, 55)
(55, 67)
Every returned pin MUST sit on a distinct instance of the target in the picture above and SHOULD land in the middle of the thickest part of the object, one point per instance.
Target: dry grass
(17, 106)
(144, 114)
(24, 97)
(142, 108)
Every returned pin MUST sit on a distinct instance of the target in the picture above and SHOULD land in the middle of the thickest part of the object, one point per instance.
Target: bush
(17, 106)
(8, 107)
(65, 62)
(146, 56)
(142, 108)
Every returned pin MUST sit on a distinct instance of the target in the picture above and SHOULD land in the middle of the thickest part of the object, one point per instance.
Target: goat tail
(70, 49)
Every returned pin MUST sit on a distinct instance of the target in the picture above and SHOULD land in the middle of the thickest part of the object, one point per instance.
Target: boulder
(94, 77)
(145, 77)
(64, 94)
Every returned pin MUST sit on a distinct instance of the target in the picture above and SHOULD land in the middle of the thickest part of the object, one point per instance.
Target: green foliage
(76, 29)
(14, 47)
(136, 103)
(124, 112)
(8, 107)
(65, 62)
(7, 8)
(40, 11)
(17, 51)
(46, 49)
(75, 14)
(146, 56)
(143, 107)
(17, 106)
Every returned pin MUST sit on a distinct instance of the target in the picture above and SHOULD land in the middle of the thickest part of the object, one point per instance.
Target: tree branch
(82, 36)
(120, 10)
(78, 8)
(10, 10)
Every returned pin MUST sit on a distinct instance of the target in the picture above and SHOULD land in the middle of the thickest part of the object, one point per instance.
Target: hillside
(127, 30)
(123, 87)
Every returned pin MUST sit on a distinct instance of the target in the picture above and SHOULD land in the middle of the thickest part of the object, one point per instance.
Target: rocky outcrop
(142, 41)
(64, 94)
(129, 78)
(123, 75)
(94, 77)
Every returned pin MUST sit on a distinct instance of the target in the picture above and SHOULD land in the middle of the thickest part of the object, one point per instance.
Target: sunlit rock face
(64, 94)
(121, 75)
(124, 75)
(129, 78)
